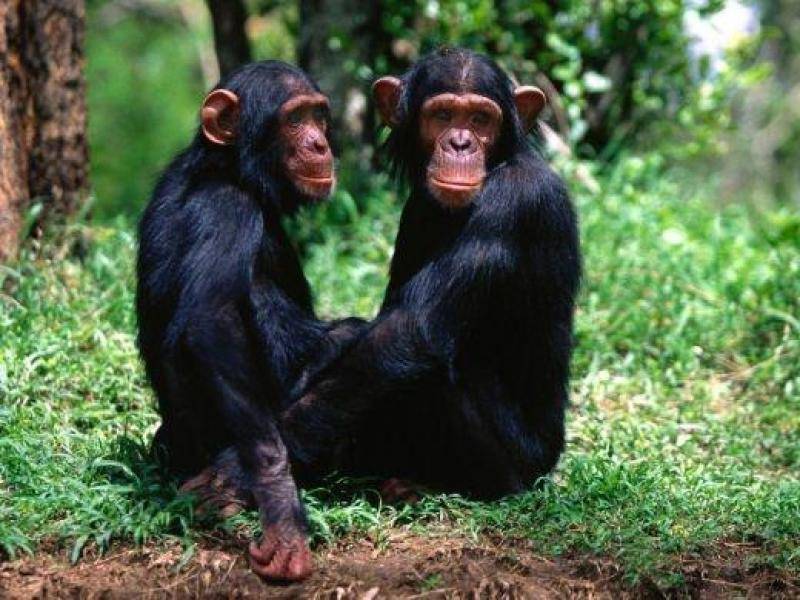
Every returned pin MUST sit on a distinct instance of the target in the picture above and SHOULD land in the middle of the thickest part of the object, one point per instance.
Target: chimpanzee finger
(197, 482)
(262, 553)
(281, 561)
(399, 491)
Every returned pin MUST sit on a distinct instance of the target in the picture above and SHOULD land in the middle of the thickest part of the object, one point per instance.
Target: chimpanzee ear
(386, 92)
(220, 116)
(530, 101)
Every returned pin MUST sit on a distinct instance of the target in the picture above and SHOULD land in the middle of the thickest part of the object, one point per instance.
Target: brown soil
(406, 566)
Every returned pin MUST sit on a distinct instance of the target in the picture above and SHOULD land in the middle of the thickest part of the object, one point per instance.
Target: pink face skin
(307, 158)
(459, 131)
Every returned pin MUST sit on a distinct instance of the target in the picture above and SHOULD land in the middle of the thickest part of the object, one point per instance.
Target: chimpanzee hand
(341, 335)
(282, 554)
(401, 491)
(220, 487)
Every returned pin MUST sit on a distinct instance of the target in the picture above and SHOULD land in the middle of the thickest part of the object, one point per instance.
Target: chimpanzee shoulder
(529, 190)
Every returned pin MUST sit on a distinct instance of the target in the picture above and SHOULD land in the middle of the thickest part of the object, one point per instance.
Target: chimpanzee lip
(456, 184)
(314, 179)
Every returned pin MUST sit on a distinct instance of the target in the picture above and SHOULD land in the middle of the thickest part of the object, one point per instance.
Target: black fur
(226, 325)
(464, 373)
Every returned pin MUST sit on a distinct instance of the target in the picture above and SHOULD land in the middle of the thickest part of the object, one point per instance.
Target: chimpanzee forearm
(294, 345)
(230, 382)
(265, 463)
(389, 356)
(338, 337)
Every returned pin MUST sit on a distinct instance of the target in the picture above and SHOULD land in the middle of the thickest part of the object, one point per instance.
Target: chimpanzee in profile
(463, 375)
(226, 326)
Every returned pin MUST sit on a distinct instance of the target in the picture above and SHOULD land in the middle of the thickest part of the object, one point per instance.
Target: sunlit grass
(684, 431)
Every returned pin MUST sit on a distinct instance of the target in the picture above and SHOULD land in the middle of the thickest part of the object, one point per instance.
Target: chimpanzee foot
(400, 491)
(219, 487)
(281, 556)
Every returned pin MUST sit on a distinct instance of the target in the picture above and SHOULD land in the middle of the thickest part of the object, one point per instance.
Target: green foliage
(273, 28)
(763, 146)
(618, 75)
(614, 71)
(145, 87)
(684, 431)
(610, 68)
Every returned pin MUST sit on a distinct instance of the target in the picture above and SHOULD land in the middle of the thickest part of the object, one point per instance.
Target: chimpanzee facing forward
(463, 375)
(225, 317)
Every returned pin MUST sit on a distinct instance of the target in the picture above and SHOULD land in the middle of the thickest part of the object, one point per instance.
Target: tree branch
(230, 37)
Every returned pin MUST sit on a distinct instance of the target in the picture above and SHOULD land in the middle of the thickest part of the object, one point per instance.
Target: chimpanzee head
(271, 121)
(454, 116)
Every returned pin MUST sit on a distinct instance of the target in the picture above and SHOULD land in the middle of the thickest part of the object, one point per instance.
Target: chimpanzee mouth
(456, 184)
(316, 179)
(315, 186)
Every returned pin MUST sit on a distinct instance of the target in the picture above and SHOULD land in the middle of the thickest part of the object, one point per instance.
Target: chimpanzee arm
(212, 340)
(515, 263)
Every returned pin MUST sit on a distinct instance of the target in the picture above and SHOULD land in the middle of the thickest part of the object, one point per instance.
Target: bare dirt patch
(407, 566)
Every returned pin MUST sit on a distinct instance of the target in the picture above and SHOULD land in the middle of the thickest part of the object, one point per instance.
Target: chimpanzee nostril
(461, 142)
(319, 145)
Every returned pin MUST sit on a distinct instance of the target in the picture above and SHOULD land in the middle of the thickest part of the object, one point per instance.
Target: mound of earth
(405, 566)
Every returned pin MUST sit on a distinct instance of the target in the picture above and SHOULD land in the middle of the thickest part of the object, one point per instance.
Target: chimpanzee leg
(433, 434)
(410, 415)
(220, 374)
(183, 443)
(433, 440)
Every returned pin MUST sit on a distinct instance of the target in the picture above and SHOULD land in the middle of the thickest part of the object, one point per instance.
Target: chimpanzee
(463, 374)
(226, 327)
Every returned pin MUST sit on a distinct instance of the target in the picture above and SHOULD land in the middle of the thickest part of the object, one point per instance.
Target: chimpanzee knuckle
(277, 567)
(231, 509)
(271, 454)
(263, 551)
(196, 483)
(301, 564)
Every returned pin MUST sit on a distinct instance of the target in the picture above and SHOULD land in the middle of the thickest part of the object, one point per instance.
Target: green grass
(684, 431)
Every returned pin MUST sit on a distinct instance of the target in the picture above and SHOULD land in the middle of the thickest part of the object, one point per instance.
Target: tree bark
(230, 36)
(43, 146)
(338, 45)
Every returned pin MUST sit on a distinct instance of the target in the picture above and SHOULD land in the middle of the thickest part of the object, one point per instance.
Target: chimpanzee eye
(319, 113)
(443, 115)
(481, 118)
(295, 117)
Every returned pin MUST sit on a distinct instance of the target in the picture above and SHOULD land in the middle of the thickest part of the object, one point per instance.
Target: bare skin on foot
(281, 555)
(219, 490)
(400, 491)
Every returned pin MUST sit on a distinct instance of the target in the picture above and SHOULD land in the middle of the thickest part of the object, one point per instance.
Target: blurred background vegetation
(618, 74)
(710, 85)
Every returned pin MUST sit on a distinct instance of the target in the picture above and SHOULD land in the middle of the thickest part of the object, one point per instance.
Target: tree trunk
(339, 44)
(43, 147)
(230, 37)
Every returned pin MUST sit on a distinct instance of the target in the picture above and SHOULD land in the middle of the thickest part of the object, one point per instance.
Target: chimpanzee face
(302, 123)
(306, 155)
(457, 133)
